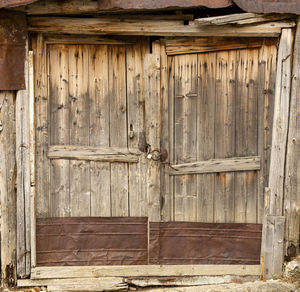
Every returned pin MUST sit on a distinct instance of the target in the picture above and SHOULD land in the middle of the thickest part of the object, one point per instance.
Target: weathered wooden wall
(8, 176)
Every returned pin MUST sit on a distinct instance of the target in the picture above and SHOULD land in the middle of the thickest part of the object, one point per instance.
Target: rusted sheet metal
(270, 6)
(177, 243)
(13, 33)
(158, 4)
(82, 241)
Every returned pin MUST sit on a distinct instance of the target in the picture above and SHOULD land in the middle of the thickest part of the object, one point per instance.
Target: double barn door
(175, 130)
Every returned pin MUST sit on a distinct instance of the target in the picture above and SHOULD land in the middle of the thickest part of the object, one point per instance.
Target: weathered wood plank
(118, 129)
(274, 260)
(59, 128)
(153, 128)
(266, 85)
(143, 270)
(8, 177)
(23, 178)
(41, 130)
(93, 153)
(186, 95)
(292, 170)
(246, 133)
(136, 128)
(217, 165)
(280, 122)
(99, 130)
(241, 19)
(187, 45)
(206, 134)
(32, 160)
(150, 27)
(79, 129)
(225, 134)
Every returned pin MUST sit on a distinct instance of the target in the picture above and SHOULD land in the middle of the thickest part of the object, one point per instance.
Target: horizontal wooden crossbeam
(217, 165)
(103, 26)
(108, 154)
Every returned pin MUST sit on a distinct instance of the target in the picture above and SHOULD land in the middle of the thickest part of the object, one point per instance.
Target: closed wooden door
(90, 129)
(217, 131)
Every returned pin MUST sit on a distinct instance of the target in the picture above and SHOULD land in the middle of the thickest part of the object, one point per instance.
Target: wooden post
(292, 171)
(23, 179)
(273, 225)
(7, 188)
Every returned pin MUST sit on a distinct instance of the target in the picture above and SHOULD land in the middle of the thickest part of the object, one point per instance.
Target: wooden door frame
(258, 31)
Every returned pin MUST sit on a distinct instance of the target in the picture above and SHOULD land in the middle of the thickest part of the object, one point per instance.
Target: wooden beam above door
(105, 26)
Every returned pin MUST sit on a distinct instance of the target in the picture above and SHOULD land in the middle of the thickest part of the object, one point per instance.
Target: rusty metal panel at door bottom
(90, 241)
(182, 243)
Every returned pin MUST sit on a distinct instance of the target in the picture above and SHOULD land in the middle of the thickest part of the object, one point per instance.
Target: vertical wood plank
(79, 129)
(274, 261)
(41, 103)
(280, 122)
(246, 134)
(8, 176)
(206, 134)
(118, 129)
(153, 128)
(171, 128)
(292, 171)
(135, 126)
(99, 128)
(186, 95)
(23, 178)
(166, 195)
(225, 134)
(266, 85)
(59, 129)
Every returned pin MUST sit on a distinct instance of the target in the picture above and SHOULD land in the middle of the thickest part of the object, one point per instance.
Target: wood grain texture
(8, 196)
(280, 122)
(41, 133)
(225, 134)
(23, 177)
(292, 171)
(148, 270)
(106, 26)
(217, 165)
(59, 129)
(153, 128)
(206, 134)
(185, 134)
(179, 46)
(118, 129)
(79, 129)
(99, 131)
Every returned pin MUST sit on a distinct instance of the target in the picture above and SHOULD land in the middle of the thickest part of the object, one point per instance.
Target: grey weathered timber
(118, 129)
(8, 179)
(188, 45)
(23, 178)
(186, 95)
(206, 134)
(41, 130)
(153, 128)
(225, 134)
(266, 83)
(60, 113)
(79, 129)
(292, 170)
(272, 239)
(93, 153)
(150, 27)
(241, 19)
(217, 165)
(99, 129)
